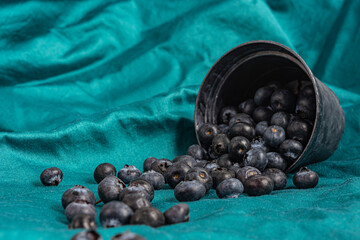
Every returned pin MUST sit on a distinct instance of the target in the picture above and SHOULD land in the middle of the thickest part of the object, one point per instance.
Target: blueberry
(247, 106)
(283, 100)
(147, 163)
(148, 216)
(280, 119)
(226, 114)
(87, 235)
(51, 176)
(77, 193)
(206, 133)
(200, 175)
(224, 129)
(256, 157)
(155, 178)
(261, 127)
(135, 202)
(262, 114)
(211, 154)
(242, 129)
(230, 188)
(258, 185)
(305, 178)
(238, 146)
(110, 188)
(188, 191)
(83, 221)
(259, 142)
(299, 130)
(103, 170)
(246, 172)
(128, 173)
(220, 144)
(210, 166)
(262, 96)
(225, 161)
(145, 185)
(274, 136)
(220, 174)
(189, 160)
(274, 85)
(197, 152)
(79, 207)
(201, 163)
(176, 173)
(291, 149)
(306, 107)
(278, 177)
(177, 214)
(307, 91)
(275, 160)
(242, 118)
(235, 167)
(161, 165)
(127, 236)
(135, 191)
(114, 214)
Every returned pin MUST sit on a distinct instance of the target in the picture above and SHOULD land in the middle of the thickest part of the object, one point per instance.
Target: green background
(86, 82)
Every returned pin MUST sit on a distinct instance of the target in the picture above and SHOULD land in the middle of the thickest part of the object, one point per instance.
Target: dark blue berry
(299, 130)
(201, 163)
(177, 214)
(274, 136)
(220, 174)
(224, 129)
(274, 85)
(230, 188)
(247, 106)
(197, 152)
(200, 175)
(188, 191)
(262, 114)
(305, 178)
(210, 166)
(51, 176)
(127, 236)
(87, 235)
(258, 185)
(103, 170)
(114, 214)
(226, 114)
(262, 96)
(275, 160)
(306, 107)
(161, 165)
(242, 118)
(261, 127)
(128, 173)
(246, 172)
(280, 119)
(283, 100)
(138, 192)
(278, 177)
(135, 202)
(147, 163)
(242, 129)
(238, 146)
(235, 167)
(259, 142)
(206, 133)
(145, 185)
(77, 208)
(307, 91)
(189, 160)
(110, 188)
(156, 179)
(150, 216)
(291, 149)
(256, 158)
(83, 221)
(225, 161)
(220, 144)
(176, 173)
(77, 193)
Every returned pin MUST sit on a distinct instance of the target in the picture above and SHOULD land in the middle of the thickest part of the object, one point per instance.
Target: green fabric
(86, 82)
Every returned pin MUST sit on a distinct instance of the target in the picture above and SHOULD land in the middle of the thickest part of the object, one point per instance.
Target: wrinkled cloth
(87, 82)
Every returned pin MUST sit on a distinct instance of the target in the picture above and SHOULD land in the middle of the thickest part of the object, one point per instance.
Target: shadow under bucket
(240, 72)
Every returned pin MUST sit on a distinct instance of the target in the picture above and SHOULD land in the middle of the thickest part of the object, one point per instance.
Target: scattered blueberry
(220, 174)
(189, 160)
(77, 193)
(305, 178)
(177, 214)
(135, 202)
(227, 113)
(83, 221)
(206, 133)
(114, 214)
(220, 144)
(127, 236)
(150, 216)
(225, 161)
(238, 146)
(278, 177)
(229, 188)
(201, 163)
(291, 149)
(161, 165)
(154, 178)
(187, 191)
(275, 160)
(200, 175)
(110, 188)
(256, 157)
(136, 191)
(210, 166)
(51, 176)
(128, 173)
(246, 172)
(103, 170)
(87, 235)
(144, 184)
(197, 152)
(176, 173)
(274, 136)
(261, 127)
(242, 129)
(258, 185)
(147, 163)
(77, 208)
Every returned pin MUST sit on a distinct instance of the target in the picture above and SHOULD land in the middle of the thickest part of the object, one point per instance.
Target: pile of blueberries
(247, 152)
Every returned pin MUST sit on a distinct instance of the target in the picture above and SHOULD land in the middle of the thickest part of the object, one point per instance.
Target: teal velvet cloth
(86, 82)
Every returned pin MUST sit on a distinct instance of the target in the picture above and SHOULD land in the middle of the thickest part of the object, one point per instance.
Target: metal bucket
(240, 72)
